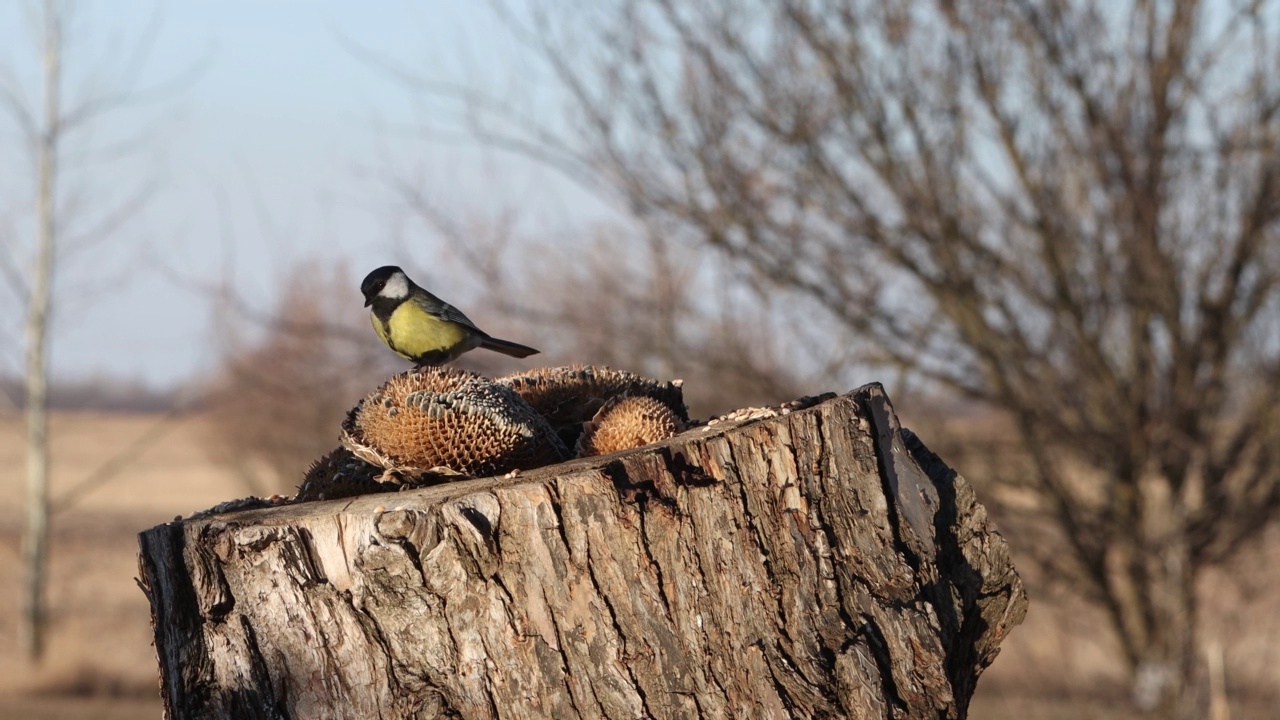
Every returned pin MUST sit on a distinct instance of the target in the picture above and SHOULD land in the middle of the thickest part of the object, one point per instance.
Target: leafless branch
(1066, 212)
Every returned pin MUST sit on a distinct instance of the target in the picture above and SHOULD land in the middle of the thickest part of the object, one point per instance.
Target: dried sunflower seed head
(444, 417)
(625, 423)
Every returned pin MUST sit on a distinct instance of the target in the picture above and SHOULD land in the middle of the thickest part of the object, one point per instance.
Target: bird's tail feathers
(506, 347)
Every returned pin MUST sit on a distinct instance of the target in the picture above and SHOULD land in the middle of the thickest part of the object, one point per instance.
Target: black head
(376, 282)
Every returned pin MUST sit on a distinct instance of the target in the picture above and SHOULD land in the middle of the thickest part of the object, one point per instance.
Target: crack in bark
(643, 541)
(561, 641)
(309, 556)
(373, 629)
(553, 497)
(617, 629)
(884, 436)
(784, 696)
(488, 690)
(414, 557)
(453, 638)
(507, 599)
(884, 663)
(250, 701)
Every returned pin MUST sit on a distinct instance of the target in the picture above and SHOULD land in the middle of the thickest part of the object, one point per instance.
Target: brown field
(1060, 664)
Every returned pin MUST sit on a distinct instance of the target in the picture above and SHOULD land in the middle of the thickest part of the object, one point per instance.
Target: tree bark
(821, 563)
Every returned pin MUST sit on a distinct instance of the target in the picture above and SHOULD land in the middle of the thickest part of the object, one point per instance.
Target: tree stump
(821, 563)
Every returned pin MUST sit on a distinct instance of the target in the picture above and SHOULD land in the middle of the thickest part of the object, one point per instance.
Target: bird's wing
(445, 311)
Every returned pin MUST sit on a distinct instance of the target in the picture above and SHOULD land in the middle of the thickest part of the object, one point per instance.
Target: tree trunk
(1153, 591)
(35, 540)
(1168, 677)
(821, 563)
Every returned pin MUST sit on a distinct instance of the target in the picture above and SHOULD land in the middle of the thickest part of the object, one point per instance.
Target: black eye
(377, 287)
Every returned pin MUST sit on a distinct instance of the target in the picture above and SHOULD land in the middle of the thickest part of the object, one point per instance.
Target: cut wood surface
(821, 563)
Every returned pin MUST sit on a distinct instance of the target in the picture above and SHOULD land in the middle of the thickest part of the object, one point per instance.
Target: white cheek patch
(397, 287)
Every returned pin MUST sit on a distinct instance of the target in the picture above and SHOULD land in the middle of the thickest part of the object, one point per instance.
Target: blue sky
(276, 151)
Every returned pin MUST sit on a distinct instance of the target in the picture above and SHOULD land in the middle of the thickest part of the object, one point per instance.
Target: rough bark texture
(817, 564)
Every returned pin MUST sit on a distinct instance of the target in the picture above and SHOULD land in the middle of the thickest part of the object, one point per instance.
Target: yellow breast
(414, 332)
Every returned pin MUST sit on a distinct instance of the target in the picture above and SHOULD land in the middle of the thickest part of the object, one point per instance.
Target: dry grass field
(1059, 665)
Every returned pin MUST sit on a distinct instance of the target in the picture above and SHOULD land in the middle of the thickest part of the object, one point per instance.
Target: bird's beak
(368, 302)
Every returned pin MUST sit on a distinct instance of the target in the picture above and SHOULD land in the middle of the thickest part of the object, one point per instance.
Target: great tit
(420, 326)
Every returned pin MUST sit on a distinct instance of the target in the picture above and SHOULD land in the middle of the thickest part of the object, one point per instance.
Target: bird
(420, 326)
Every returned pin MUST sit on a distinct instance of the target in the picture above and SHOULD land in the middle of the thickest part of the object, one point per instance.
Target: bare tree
(1065, 209)
(35, 539)
(64, 133)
